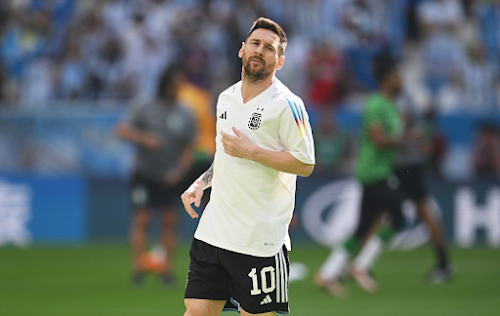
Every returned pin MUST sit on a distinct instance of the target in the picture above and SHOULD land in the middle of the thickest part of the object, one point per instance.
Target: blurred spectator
(164, 132)
(439, 16)
(61, 13)
(38, 82)
(392, 24)
(113, 80)
(116, 13)
(325, 66)
(443, 53)
(19, 44)
(486, 151)
(143, 58)
(72, 76)
(487, 15)
(364, 43)
(413, 31)
(479, 82)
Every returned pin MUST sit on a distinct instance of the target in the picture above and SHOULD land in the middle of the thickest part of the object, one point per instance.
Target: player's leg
(169, 225)
(327, 278)
(443, 270)
(201, 307)
(138, 240)
(413, 180)
(435, 229)
(140, 199)
(167, 198)
(389, 199)
(336, 263)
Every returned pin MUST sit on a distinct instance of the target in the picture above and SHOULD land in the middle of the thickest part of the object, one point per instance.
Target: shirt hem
(217, 244)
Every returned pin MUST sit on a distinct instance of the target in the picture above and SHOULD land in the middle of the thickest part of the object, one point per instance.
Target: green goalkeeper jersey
(376, 163)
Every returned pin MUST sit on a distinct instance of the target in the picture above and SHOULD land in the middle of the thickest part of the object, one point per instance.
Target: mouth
(257, 60)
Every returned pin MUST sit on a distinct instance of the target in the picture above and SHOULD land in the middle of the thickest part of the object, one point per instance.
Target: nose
(259, 50)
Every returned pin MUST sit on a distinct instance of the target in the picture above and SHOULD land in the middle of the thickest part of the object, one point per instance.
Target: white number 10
(263, 280)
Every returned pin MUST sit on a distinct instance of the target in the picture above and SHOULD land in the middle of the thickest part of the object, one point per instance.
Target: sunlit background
(70, 69)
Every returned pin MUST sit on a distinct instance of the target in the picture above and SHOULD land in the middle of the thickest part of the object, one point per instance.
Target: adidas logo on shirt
(223, 115)
(266, 300)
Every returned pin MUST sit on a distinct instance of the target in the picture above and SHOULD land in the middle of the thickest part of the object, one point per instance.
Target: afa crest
(254, 122)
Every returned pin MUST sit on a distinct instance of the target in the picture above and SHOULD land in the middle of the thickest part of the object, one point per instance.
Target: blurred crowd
(115, 50)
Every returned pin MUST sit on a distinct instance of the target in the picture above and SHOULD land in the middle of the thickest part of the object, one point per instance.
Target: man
(410, 170)
(382, 134)
(239, 252)
(164, 132)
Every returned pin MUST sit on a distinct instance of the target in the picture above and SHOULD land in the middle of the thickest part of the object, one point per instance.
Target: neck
(386, 92)
(250, 90)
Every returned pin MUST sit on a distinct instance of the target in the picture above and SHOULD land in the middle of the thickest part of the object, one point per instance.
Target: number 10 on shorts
(267, 273)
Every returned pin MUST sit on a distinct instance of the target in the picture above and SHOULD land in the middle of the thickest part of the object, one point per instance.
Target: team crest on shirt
(255, 120)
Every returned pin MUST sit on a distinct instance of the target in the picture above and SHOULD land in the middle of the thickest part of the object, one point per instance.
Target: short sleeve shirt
(176, 127)
(375, 164)
(251, 205)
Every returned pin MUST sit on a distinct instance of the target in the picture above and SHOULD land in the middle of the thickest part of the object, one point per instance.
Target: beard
(256, 74)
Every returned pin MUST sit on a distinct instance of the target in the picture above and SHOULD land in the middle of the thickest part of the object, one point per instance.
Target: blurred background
(70, 69)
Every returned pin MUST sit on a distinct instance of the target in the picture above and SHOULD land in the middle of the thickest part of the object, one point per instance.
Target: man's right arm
(127, 132)
(195, 191)
(381, 139)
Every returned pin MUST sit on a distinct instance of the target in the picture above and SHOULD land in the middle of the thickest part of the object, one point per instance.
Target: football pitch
(94, 280)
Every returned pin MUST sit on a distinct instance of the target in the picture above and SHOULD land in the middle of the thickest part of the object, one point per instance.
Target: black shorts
(377, 198)
(145, 192)
(255, 284)
(412, 181)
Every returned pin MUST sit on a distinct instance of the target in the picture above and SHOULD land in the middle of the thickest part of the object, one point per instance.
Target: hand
(237, 146)
(192, 195)
(151, 141)
(173, 177)
(415, 134)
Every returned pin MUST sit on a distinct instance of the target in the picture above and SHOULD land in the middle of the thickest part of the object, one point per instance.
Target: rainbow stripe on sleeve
(298, 114)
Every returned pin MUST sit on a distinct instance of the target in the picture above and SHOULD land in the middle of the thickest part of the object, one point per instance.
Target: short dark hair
(384, 64)
(268, 24)
(166, 79)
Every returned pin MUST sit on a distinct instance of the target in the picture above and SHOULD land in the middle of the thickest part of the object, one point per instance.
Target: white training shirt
(251, 205)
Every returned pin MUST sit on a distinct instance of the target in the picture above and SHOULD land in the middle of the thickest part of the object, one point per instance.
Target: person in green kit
(381, 135)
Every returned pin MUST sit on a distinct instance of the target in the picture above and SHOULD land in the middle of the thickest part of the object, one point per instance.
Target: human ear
(281, 61)
(240, 52)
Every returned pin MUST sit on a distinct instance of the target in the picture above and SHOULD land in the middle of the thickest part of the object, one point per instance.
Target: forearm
(131, 134)
(281, 161)
(390, 142)
(205, 180)
(382, 139)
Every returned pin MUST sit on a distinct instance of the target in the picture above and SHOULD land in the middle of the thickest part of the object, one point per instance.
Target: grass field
(93, 280)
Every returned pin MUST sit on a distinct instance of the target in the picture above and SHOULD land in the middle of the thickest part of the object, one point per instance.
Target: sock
(369, 253)
(442, 257)
(335, 263)
(352, 246)
(385, 233)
